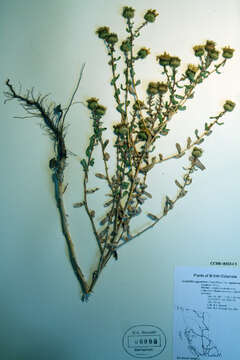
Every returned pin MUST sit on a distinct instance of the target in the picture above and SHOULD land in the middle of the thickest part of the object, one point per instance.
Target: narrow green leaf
(190, 96)
(189, 141)
(124, 193)
(178, 184)
(100, 176)
(116, 94)
(160, 157)
(132, 72)
(196, 133)
(105, 144)
(173, 100)
(91, 162)
(88, 151)
(124, 185)
(119, 108)
(164, 131)
(206, 126)
(114, 79)
(91, 191)
(179, 96)
(84, 164)
(152, 216)
(181, 108)
(79, 204)
(179, 149)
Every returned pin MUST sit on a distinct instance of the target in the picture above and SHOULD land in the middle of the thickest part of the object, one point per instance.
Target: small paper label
(144, 341)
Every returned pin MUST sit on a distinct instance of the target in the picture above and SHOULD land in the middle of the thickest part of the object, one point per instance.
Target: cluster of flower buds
(167, 60)
(97, 109)
(112, 38)
(149, 16)
(126, 47)
(210, 49)
(105, 34)
(155, 88)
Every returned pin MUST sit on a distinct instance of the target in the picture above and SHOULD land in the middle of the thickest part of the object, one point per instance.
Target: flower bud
(191, 72)
(143, 53)
(164, 59)
(197, 152)
(174, 61)
(103, 32)
(123, 130)
(142, 135)
(138, 105)
(150, 16)
(229, 105)
(112, 38)
(213, 54)
(210, 45)
(198, 50)
(100, 110)
(128, 12)
(162, 88)
(227, 52)
(120, 129)
(125, 46)
(92, 103)
(152, 88)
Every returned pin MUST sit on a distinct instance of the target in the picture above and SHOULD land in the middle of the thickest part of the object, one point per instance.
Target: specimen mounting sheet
(206, 313)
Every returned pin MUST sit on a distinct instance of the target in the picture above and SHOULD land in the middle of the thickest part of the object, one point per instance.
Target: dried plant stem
(59, 190)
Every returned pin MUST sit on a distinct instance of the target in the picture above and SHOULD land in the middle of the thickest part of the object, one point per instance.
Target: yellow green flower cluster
(104, 34)
(155, 88)
(128, 12)
(227, 52)
(166, 60)
(151, 15)
(95, 107)
(191, 72)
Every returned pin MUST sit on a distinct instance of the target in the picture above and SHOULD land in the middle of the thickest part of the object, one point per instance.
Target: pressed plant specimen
(142, 123)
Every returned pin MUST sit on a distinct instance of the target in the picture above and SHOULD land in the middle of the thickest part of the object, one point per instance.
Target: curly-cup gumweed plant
(139, 126)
